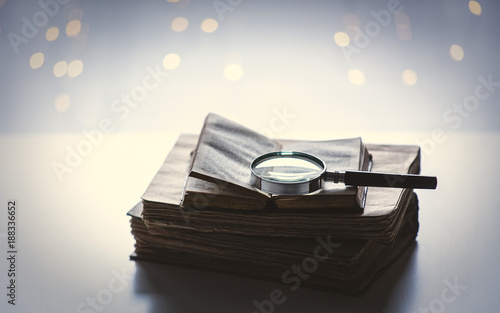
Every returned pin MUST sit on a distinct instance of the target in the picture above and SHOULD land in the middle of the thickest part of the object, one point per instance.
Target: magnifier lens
(298, 173)
(288, 168)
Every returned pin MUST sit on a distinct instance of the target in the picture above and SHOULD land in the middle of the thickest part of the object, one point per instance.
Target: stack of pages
(201, 210)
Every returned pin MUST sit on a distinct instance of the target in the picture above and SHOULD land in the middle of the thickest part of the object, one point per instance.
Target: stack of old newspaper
(201, 210)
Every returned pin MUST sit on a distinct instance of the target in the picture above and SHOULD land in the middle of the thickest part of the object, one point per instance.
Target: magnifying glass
(297, 173)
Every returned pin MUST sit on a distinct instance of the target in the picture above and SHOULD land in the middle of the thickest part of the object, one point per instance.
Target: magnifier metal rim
(287, 188)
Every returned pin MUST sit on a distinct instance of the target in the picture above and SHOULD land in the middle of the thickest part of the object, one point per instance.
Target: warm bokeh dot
(356, 77)
(403, 29)
(209, 25)
(404, 32)
(409, 77)
(36, 60)
(171, 61)
(60, 68)
(233, 72)
(52, 33)
(456, 53)
(62, 103)
(402, 20)
(475, 7)
(341, 39)
(73, 28)
(172, 1)
(351, 21)
(75, 68)
(75, 14)
(179, 24)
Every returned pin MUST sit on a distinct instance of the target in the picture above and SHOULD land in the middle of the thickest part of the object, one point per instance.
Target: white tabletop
(74, 241)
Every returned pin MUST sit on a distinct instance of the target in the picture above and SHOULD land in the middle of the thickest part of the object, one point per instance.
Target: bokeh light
(404, 33)
(356, 77)
(36, 60)
(351, 21)
(80, 41)
(171, 61)
(172, 1)
(52, 33)
(60, 68)
(73, 28)
(75, 14)
(475, 7)
(2, 2)
(181, 4)
(341, 39)
(209, 25)
(456, 53)
(409, 77)
(62, 103)
(402, 20)
(233, 72)
(179, 24)
(75, 68)
(403, 29)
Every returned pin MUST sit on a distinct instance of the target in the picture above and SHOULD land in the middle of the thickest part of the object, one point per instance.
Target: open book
(219, 175)
(378, 221)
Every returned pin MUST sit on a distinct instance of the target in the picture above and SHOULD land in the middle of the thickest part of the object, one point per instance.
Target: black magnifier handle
(371, 179)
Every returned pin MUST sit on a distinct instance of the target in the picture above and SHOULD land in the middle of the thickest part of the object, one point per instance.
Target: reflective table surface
(73, 236)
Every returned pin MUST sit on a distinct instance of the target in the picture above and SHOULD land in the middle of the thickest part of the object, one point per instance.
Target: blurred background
(294, 66)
